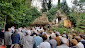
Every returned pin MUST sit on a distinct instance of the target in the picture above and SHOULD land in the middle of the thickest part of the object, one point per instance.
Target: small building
(41, 21)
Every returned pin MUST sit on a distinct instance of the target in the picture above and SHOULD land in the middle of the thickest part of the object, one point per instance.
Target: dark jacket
(1, 35)
(15, 39)
(83, 42)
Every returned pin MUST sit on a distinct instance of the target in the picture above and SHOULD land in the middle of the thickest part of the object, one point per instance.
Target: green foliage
(73, 18)
(60, 25)
(28, 16)
(28, 3)
(44, 6)
(17, 13)
(51, 13)
(64, 7)
(61, 30)
(53, 29)
(82, 0)
(49, 5)
(79, 30)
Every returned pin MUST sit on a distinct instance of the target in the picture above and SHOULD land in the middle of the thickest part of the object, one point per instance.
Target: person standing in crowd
(82, 40)
(63, 43)
(2, 37)
(12, 29)
(74, 36)
(65, 34)
(24, 31)
(7, 38)
(21, 35)
(73, 43)
(79, 45)
(15, 39)
(57, 38)
(45, 44)
(41, 33)
(27, 40)
(53, 42)
(37, 40)
(69, 38)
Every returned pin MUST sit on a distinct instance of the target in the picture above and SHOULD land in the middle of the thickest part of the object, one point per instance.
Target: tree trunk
(5, 22)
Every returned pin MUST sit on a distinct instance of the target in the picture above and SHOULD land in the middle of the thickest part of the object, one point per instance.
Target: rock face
(59, 18)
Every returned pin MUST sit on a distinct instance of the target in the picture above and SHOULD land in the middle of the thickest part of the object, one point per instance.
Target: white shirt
(80, 45)
(45, 45)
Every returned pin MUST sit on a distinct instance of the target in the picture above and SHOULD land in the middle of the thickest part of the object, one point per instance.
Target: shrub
(61, 30)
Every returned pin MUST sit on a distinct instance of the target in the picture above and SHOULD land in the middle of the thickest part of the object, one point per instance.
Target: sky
(38, 3)
(69, 2)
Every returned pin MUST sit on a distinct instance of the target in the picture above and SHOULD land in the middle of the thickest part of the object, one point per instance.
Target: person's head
(52, 36)
(28, 33)
(54, 31)
(73, 42)
(69, 36)
(9, 29)
(16, 31)
(34, 34)
(25, 28)
(64, 32)
(57, 34)
(41, 31)
(44, 37)
(63, 40)
(13, 27)
(78, 38)
(64, 35)
(74, 34)
(20, 29)
(82, 36)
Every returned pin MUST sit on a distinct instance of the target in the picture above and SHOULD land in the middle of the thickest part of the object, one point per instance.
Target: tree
(16, 13)
(82, 1)
(76, 17)
(64, 7)
(44, 5)
(49, 5)
(28, 3)
(51, 13)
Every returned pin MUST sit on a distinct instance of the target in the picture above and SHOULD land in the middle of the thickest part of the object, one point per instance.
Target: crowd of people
(36, 37)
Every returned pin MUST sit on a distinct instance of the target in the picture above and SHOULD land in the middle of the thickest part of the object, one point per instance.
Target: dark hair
(56, 35)
(44, 37)
(82, 36)
(15, 33)
(34, 34)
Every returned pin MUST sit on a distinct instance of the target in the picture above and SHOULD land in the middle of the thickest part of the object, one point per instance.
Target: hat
(63, 40)
(64, 32)
(28, 32)
(64, 35)
(57, 33)
(52, 35)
